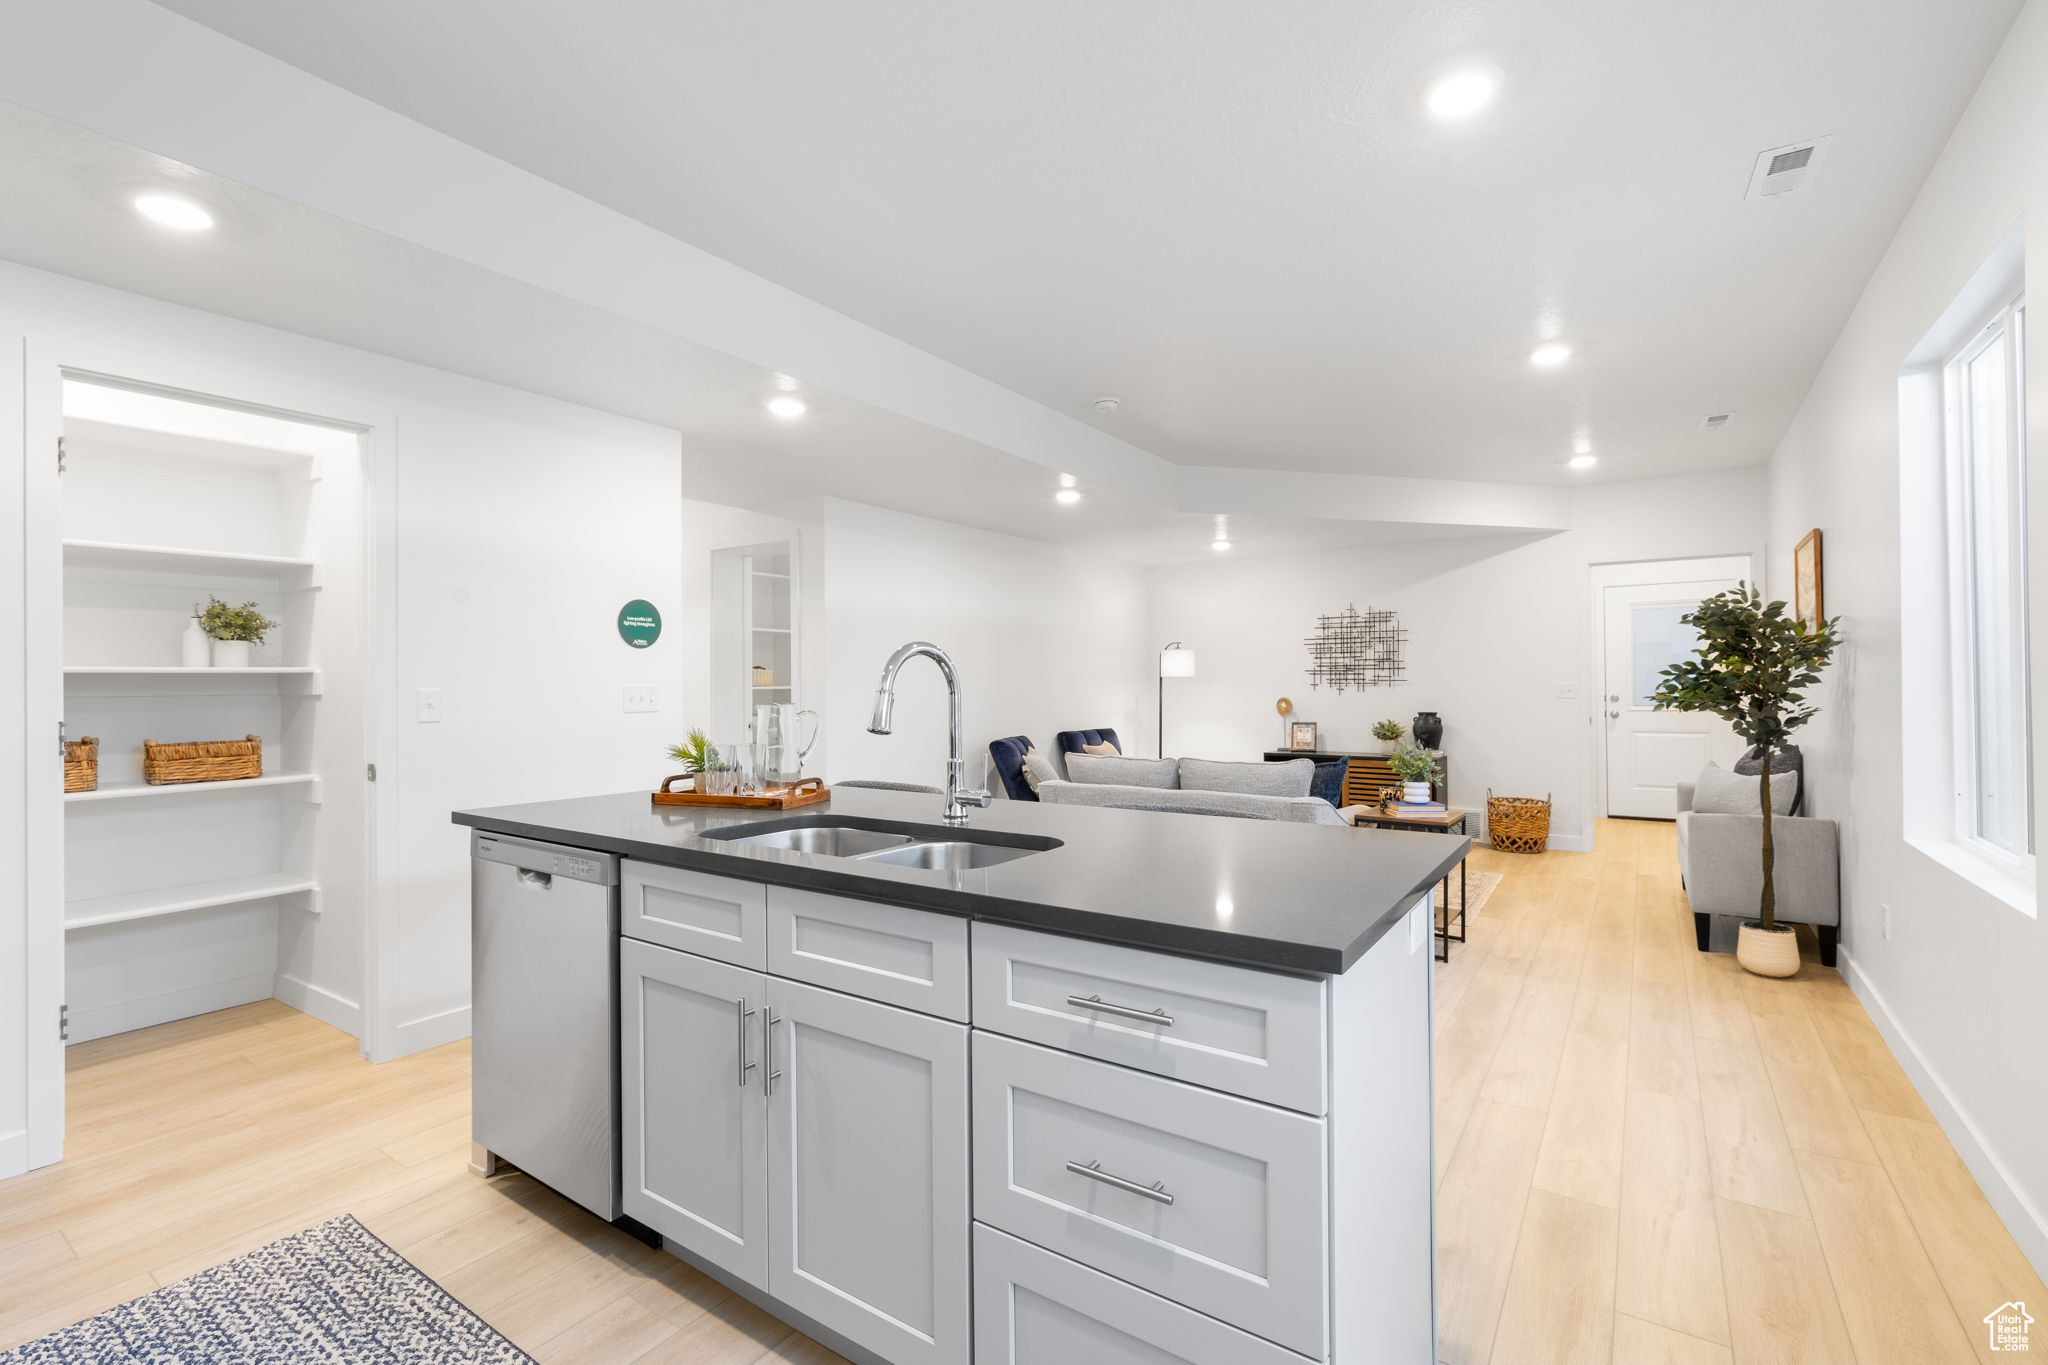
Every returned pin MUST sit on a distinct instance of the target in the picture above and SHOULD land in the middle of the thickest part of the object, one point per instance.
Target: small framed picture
(1301, 734)
(1806, 584)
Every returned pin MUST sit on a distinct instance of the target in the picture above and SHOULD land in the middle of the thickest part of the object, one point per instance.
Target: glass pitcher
(776, 726)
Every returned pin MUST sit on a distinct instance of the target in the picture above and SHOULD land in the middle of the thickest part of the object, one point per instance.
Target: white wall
(1493, 625)
(1958, 988)
(521, 525)
(1046, 639)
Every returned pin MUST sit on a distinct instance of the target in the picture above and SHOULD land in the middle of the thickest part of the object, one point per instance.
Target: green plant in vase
(1416, 767)
(696, 753)
(1387, 732)
(1751, 666)
(234, 631)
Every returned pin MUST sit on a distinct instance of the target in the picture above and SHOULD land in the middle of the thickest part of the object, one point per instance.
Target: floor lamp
(1174, 662)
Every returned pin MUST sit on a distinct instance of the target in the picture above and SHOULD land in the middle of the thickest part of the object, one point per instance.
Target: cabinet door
(694, 1135)
(867, 1118)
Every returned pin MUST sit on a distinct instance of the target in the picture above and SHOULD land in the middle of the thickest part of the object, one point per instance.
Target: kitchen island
(1064, 1084)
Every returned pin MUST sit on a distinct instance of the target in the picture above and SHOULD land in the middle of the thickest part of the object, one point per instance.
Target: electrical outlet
(639, 697)
(1567, 691)
(1884, 920)
(427, 705)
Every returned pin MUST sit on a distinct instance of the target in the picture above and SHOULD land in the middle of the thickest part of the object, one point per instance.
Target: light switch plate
(427, 705)
(1567, 691)
(638, 697)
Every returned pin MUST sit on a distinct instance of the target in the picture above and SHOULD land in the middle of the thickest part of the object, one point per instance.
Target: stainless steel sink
(950, 855)
(834, 841)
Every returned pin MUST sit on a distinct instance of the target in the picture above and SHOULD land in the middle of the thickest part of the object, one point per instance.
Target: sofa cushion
(1720, 792)
(1304, 810)
(1328, 783)
(1103, 770)
(1290, 778)
(1038, 768)
(1103, 750)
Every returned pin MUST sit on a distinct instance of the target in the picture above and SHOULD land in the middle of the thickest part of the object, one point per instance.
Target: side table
(1450, 822)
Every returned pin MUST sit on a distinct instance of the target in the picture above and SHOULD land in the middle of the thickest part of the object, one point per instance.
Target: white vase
(231, 653)
(1415, 791)
(1767, 952)
(192, 646)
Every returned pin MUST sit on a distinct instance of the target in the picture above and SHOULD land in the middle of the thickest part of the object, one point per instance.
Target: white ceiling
(1234, 215)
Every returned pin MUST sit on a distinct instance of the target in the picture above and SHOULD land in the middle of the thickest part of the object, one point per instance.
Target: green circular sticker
(639, 623)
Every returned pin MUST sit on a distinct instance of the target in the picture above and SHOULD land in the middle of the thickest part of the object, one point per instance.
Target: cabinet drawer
(696, 912)
(1212, 1201)
(1251, 1033)
(1034, 1308)
(899, 956)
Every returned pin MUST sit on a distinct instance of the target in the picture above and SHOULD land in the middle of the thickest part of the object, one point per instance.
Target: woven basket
(1517, 824)
(212, 760)
(82, 764)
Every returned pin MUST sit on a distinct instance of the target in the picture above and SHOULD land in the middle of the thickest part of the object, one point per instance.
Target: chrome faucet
(958, 796)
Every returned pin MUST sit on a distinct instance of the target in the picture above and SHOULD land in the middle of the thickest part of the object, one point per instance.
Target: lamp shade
(1175, 662)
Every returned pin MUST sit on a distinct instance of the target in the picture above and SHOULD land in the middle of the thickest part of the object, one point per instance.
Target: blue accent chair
(1328, 781)
(1008, 757)
(1070, 741)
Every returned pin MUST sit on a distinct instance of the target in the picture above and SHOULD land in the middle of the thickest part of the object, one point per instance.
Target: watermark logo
(2008, 1325)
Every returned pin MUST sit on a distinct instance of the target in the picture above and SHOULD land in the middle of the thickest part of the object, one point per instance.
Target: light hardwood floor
(1644, 1156)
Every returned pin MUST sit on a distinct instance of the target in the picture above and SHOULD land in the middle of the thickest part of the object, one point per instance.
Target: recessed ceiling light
(173, 211)
(1584, 461)
(1067, 495)
(1550, 355)
(1461, 93)
(1219, 544)
(787, 406)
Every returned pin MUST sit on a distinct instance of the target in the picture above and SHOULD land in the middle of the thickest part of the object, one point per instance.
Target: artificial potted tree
(1751, 666)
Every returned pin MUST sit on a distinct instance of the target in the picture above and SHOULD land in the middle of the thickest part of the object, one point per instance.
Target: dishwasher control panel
(534, 855)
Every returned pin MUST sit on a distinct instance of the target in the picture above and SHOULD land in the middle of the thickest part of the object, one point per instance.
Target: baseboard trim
(103, 1021)
(13, 1153)
(323, 1004)
(2026, 1223)
(417, 1035)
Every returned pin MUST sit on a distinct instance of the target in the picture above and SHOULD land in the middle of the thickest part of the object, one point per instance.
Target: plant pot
(231, 653)
(1415, 791)
(1767, 952)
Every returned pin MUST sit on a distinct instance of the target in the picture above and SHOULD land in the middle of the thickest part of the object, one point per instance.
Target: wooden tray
(808, 792)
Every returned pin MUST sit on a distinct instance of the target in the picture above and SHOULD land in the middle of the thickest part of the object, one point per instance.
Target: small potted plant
(1751, 666)
(235, 631)
(1416, 768)
(1388, 733)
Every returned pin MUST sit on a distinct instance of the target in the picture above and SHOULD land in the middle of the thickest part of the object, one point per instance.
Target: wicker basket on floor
(82, 764)
(210, 760)
(1517, 824)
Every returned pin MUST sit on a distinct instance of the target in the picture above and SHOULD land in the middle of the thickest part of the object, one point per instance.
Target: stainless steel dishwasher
(544, 947)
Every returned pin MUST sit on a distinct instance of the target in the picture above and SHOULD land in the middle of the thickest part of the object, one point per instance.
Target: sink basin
(951, 855)
(835, 841)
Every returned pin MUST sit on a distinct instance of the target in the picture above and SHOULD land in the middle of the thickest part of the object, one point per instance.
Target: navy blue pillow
(1328, 781)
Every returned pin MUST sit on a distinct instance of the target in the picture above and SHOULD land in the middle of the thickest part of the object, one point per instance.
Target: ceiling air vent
(1782, 170)
(1716, 421)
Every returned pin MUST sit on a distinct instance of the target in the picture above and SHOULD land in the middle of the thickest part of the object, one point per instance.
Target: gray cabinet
(867, 1142)
(697, 912)
(693, 1129)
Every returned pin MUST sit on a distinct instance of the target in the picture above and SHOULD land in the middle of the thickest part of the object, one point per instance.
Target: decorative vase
(193, 645)
(1428, 728)
(231, 653)
(1415, 791)
(1767, 952)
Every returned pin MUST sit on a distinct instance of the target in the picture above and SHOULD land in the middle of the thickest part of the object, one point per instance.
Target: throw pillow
(1102, 750)
(1038, 768)
(1720, 792)
(1328, 783)
(1103, 770)
(1290, 778)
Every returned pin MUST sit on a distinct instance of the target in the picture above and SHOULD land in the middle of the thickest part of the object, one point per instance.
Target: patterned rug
(331, 1295)
(1478, 886)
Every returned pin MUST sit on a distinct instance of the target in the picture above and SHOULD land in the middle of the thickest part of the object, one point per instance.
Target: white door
(694, 1142)
(867, 1138)
(1649, 752)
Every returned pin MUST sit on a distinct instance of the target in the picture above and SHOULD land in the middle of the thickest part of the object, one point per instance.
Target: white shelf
(108, 554)
(771, 687)
(173, 900)
(771, 630)
(765, 573)
(152, 670)
(124, 791)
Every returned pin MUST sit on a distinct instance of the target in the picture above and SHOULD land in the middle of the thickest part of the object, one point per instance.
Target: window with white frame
(1984, 387)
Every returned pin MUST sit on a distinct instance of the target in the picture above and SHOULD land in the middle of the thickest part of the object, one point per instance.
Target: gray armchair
(1720, 862)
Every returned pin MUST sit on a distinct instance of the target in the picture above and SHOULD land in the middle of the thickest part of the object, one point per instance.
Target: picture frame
(1807, 593)
(1301, 734)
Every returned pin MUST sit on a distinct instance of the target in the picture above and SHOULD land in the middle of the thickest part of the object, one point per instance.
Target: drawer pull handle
(1093, 1170)
(1101, 1006)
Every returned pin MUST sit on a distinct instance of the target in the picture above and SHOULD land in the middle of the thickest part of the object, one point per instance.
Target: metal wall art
(1358, 649)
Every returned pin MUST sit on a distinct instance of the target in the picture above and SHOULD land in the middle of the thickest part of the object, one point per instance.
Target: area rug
(1478, 886)
(331, 1295)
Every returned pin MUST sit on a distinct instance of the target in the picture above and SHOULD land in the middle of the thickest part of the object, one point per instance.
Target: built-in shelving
(108, 554)
(151, 670)
(174, 900)
(128, 791)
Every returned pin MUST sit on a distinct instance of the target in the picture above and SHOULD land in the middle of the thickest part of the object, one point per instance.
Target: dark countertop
(1308, 899)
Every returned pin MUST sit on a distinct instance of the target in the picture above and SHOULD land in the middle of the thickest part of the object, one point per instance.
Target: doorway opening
(1642, 754)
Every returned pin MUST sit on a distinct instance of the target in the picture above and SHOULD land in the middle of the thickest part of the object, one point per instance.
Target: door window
(1658, 639)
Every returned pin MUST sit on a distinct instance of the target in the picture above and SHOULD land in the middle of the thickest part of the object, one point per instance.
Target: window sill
(1994, 879)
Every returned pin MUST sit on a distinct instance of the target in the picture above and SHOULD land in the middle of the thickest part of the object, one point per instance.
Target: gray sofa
(1256, 791)
(1720, 862)
(1306, 810)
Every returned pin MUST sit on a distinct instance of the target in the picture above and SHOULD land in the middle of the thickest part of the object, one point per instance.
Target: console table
(1368, 773)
